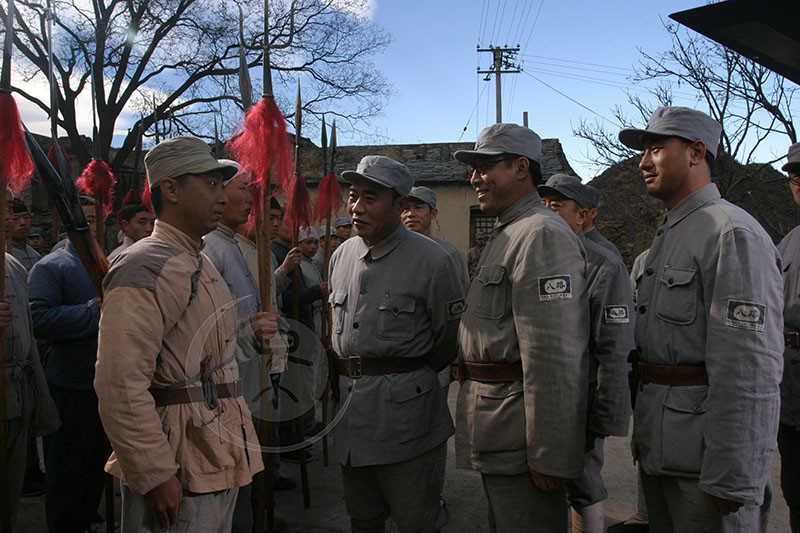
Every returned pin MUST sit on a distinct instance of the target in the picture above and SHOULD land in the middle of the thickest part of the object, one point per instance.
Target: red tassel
(16, 166)
(146, 197)
(131, 198)
(329, 197)
(264, 150)
(97, 180)
(51, 156)
(298, 205)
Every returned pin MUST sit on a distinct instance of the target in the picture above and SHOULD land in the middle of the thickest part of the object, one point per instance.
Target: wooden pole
(5, 491)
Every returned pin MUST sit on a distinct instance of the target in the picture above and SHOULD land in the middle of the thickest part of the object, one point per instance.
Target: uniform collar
(226, 231)
(692, 203)
(386, 245)
(516, 209)
(172, 235)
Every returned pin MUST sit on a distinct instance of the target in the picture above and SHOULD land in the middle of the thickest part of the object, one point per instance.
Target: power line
(494, 26)
(529, 6)
(541, 3)
(511, 23)
(474, 109)
(627, 69)
(584, 69)
(482, 25)
(571, 99)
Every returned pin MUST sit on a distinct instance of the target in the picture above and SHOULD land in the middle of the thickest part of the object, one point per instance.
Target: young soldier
(789, 431)
(521, 417)
(169, 388)
(395, 303)
(590, 231)
(474, 253)
(319, 257)
(709, 338)
(420, 214)
(610, 343)
(19, 231)
(135, 223)
(343, 228)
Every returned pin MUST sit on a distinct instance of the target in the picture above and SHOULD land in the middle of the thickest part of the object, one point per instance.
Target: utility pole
(502, 64)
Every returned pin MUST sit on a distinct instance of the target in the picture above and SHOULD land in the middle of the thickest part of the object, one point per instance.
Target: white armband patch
(455, 308)
(555, 288)
(616, 314)
(746, 315)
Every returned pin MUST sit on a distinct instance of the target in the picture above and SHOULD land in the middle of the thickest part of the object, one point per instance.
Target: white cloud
(358, 9)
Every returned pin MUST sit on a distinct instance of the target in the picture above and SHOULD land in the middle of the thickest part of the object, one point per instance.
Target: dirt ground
(463, 492)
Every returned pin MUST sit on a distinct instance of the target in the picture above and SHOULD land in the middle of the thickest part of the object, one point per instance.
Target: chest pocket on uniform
(491, 299)
(677, 295)
(396, 318)
(337, 299)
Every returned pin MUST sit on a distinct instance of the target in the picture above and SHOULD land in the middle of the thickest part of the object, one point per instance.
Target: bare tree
(174, 63)
(750, 102)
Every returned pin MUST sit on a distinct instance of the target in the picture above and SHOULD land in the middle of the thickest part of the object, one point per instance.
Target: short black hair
(709, 156)
(155, 194)
(534, 168)
(86, 200)
(128, 211)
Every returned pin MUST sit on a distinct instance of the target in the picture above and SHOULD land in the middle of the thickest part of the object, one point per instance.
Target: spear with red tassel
(263, 150)
(16, 168)
(54, 160)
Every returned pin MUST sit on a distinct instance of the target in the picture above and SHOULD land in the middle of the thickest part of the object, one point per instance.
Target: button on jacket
(710, 294)
(399, 298)
(527, 303)
(789, 248)
(163, 321)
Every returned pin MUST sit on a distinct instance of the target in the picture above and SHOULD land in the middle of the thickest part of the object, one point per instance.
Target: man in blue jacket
(66, 310)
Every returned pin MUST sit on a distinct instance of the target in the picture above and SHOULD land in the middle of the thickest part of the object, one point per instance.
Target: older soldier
(135, 223)
(474, 253)
(224, 252)
(420, 214)
(709, 340)
(590, 231)
(169, 388)
(395, 303)
(789, 431)
(521, 417)
(610, 343)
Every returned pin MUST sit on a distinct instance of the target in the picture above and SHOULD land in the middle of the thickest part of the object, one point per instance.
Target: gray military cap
(499, 139)
(341, 222)
(793, 159)
(384, 171)
(424, 194)
(36, 232)
(676, 121)
(480, 235)
(596, 194)
(568, 186)
(182, 155)
(230, 163)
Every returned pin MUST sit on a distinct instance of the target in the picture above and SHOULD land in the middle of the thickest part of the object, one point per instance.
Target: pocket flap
(686, 400)
(337, 297)
(402, 392)
(396, 304)
(672, 276)
(499, 391)
(491, 275)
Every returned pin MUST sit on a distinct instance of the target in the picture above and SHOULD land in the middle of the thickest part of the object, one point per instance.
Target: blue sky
(432, 64)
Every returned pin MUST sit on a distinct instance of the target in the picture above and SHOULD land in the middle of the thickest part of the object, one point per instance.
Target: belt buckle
(235, 388)
(792, 339)
(354, 361)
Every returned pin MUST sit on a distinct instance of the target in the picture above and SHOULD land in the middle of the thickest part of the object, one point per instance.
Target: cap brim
(632, 138)
(791, 167)
(350, 175)
(468, 156)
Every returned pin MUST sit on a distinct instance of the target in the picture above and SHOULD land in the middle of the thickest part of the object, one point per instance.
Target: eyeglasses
(484, 166)
(794, 178)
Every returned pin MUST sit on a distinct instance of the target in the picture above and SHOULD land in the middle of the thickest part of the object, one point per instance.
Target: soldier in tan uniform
(708, 333)
(523, 338)
(395, 303)
(169, 391)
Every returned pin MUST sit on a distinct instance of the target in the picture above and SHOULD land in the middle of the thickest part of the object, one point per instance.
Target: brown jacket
(165, 312)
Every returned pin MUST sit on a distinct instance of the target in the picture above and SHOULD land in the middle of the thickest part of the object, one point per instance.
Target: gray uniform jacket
(126, 243)
(610, 342)
(789, 248)
(711, 294)
(27, 256)
(596, 237)
(526, 303)
(26, 389)
(459, 258)
(399, 298)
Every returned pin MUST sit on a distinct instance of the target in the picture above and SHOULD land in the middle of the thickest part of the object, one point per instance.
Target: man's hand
(264, 325)
(293, 259)
(163, 502)
(6, 316)
(545, 482)
(98, 302)
(721, 506)
(324, 287)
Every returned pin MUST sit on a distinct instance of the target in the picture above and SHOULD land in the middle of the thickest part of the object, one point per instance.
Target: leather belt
(676, 375)
(356, 366)
(792, 339)
(487, 372)
(194, 394)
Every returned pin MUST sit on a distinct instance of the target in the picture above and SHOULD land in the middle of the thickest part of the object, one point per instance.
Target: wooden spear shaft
(5, 493)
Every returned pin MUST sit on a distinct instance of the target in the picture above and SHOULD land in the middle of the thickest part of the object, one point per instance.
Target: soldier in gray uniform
(521, 416)
(610, 343)
(789, 431)
(709, 338)
(474, 253)
(395, 304)
(590, 231)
